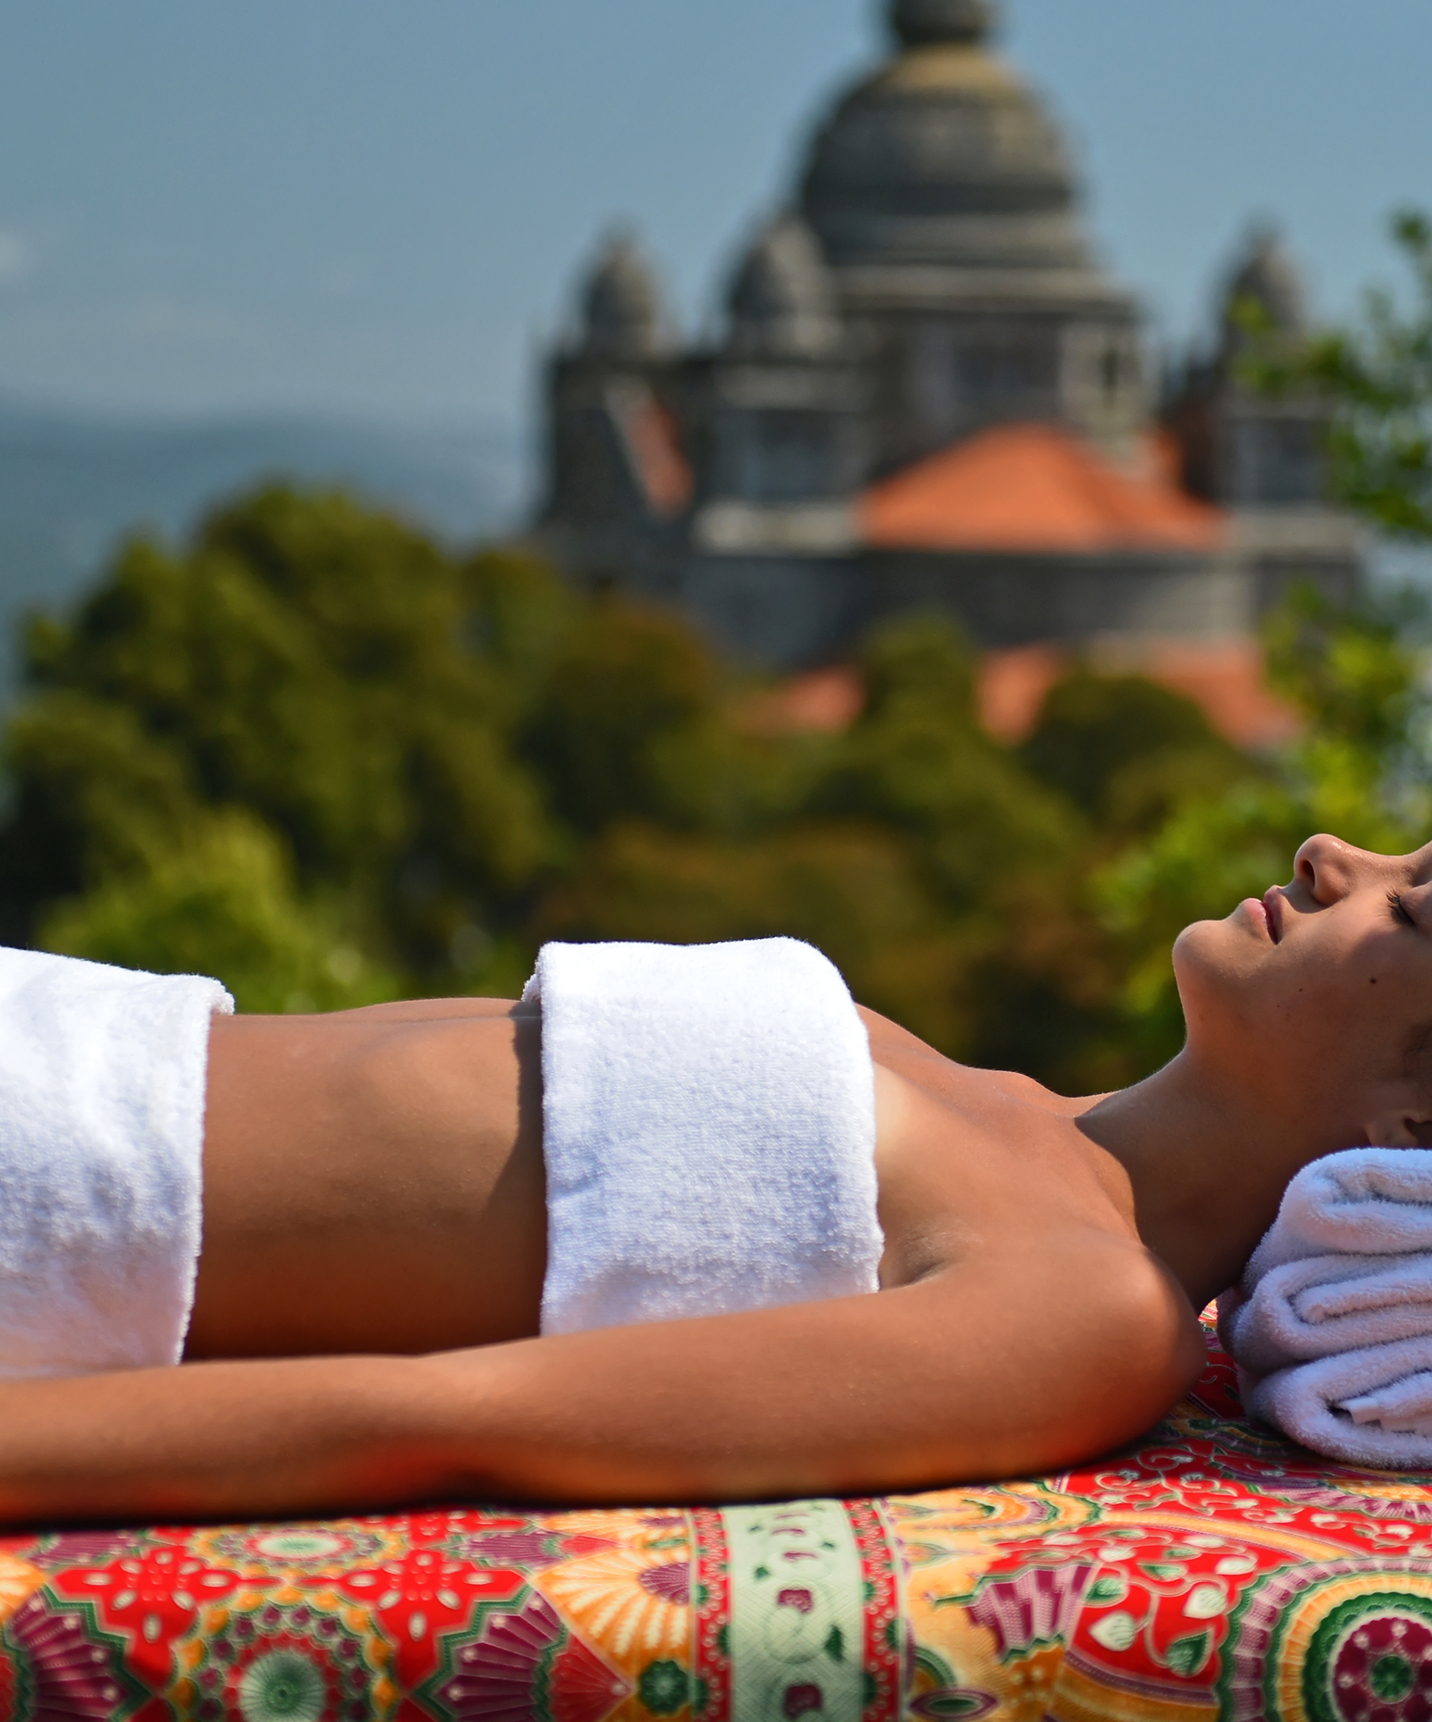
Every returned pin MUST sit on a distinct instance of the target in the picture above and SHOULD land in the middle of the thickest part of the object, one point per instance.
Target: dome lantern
(919, 23)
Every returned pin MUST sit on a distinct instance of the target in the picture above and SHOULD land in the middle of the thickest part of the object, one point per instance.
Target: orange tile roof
(819, 701)
(654, 448)
(1032, 488)
(1224, 677)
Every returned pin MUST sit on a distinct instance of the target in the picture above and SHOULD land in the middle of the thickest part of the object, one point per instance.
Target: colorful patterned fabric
(1210, 1571)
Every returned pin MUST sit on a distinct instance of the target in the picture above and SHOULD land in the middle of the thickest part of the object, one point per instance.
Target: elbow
(1146, 1350)
(1117, 1363)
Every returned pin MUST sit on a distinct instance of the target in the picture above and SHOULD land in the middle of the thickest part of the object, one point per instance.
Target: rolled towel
(1331, 1323)
(708, 1127)
(102, 1078)
(1369, 1406)
(1327, 1304)
(1362, 1201)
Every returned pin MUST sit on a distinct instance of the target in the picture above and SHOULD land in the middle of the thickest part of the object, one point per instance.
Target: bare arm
(999, 1367)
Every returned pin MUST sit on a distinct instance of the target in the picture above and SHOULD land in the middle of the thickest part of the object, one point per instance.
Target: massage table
(1208, 1571)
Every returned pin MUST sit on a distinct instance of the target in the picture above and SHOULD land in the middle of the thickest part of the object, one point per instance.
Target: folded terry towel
(708, 1131)
(1331, 1324)
(1323, 1305)
(1363, 1201)
(102, 1075)
(1369, 1406)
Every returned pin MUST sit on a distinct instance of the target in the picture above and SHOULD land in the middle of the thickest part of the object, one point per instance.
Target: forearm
(914, 1388)
(220, 1440)
(977, 1374)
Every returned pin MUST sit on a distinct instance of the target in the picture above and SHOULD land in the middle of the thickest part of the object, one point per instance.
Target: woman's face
(1313, 995)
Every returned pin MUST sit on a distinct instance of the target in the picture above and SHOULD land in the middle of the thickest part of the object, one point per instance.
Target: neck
(1207, 1168)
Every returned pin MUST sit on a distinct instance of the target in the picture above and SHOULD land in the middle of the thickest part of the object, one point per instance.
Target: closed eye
(1399, 909)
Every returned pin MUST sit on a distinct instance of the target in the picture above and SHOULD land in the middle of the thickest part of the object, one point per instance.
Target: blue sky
(377, 206)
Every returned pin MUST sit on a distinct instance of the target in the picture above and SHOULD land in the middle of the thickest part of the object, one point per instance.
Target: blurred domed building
(928, 393)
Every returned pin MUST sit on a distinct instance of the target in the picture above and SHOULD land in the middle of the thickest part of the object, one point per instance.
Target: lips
(1273, 910)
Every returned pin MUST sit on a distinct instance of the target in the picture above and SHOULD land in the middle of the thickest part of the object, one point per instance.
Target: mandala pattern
(1211, 1571)
(305, 1658)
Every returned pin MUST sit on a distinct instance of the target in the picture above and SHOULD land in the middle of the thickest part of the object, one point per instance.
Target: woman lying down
(658, 1232)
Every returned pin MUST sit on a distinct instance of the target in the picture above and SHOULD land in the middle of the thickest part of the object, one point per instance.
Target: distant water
(71, 487)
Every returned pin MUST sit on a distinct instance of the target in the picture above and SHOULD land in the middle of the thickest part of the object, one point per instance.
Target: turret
(782, 301)
(622, 312)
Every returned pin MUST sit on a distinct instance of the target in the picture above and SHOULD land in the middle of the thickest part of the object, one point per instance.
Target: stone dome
(782, 301)
(943, 156)
(622, 312)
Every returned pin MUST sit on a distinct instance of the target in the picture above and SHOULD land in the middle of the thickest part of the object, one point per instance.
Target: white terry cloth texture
(708, 1130)
(1331, 1324)
(1370, 1406)
(102, 1079)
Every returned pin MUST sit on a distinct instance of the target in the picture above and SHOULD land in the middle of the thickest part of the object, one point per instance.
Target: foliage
(222, 902)
(1359, 770)
(1379, 378)
(1128, 751)
(1362, 766)
(303, 661)
(318, 756)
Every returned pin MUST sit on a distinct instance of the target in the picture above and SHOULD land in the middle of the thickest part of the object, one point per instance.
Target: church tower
(925, 392)
(944, 200)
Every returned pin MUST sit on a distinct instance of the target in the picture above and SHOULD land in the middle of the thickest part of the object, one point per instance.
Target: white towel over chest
(708, 1131)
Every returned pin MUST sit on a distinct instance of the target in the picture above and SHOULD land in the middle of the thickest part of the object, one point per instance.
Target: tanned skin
(364, 1331)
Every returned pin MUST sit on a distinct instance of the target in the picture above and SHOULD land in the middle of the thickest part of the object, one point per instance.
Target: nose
(1329, 868)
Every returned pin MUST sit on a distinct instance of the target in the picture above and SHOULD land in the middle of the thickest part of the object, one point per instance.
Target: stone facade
(931, 283)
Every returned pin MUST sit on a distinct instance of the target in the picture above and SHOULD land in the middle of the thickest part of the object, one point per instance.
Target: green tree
(1359, 770)
(1127, 751)
(1378, 374)
(222, 902)
(313, 665)
(1361, 767)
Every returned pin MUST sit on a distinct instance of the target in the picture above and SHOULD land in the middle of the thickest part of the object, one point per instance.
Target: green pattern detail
(797, 1619)
(1188, 1654)
(664, 1687)
(1108, 1587)
(282, 1686)
(934, 1667)
(1391, 1677)
(132, 1694)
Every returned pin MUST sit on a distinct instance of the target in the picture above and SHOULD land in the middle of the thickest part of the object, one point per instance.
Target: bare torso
(373, 1179)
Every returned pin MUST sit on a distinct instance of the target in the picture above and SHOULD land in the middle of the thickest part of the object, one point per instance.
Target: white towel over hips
(102, 1078)
(708, 1131)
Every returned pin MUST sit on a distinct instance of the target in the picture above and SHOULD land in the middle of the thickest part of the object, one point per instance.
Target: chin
(1203, 943)
(1215, 970)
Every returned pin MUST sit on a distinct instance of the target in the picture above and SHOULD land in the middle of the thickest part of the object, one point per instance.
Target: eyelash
(1399, 911)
